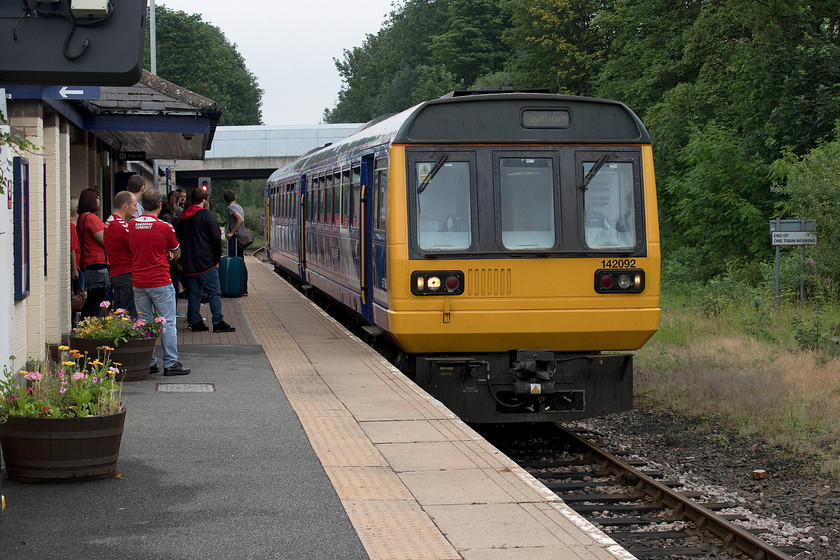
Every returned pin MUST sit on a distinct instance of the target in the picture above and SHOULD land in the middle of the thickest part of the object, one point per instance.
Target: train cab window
(527, 190)
(345, 198)
(609, 204)
(443, 205)
(355, 200)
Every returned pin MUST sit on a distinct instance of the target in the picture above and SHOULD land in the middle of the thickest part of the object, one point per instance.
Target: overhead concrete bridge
(255, 152)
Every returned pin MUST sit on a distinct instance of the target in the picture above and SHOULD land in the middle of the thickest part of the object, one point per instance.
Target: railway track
(648, 516)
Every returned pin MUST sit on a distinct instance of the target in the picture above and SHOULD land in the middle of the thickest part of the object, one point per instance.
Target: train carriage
(506, 243)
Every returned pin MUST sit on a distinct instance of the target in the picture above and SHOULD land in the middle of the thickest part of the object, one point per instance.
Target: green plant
(16, 142)
(119, 326)
(813, 333)
(82, 386)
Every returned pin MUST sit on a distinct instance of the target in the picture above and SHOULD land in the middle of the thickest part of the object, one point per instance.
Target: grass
(766, 371)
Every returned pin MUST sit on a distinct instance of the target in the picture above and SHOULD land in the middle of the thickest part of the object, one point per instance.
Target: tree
(554, 45)
(719, 203)
(472, 44)
(812, 191)
(197, 55)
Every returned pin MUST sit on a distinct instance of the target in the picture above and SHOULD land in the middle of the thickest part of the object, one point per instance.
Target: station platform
(293, 439)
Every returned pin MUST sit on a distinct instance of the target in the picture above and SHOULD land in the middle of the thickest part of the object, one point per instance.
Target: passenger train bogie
(506, 243)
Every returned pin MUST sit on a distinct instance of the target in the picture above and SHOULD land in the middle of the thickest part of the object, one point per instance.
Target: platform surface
(309, 446)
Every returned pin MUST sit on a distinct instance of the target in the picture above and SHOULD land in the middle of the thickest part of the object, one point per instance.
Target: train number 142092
(618, 263)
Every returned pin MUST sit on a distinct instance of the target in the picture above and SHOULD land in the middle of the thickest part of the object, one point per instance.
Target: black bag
(244, 236)
(97, 278)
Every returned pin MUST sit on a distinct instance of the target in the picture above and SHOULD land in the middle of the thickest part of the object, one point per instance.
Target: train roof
(527, 117)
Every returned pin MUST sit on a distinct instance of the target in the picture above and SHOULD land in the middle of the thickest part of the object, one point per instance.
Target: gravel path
(798, 509)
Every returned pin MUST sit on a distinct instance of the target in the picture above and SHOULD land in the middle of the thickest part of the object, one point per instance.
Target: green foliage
(812, 191)
(813, 331)
(424, 49)
(718, 198)
(196, 55)
(82, 386)
(554, 44)
(118, 326)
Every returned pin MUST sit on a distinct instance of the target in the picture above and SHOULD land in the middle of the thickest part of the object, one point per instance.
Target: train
(505, 243)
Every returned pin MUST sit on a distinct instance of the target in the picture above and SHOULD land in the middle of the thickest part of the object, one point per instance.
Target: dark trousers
(124, 294)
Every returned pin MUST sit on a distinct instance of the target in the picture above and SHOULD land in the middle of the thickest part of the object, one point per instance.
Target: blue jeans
(162, 299)
(206, 281)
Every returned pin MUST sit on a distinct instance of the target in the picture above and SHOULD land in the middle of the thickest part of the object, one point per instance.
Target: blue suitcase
(232, 276)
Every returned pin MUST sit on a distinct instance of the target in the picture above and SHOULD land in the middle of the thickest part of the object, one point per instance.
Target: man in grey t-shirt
(236, 219)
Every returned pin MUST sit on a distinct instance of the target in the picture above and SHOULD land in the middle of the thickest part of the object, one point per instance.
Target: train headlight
(610, 281)
(437, 282)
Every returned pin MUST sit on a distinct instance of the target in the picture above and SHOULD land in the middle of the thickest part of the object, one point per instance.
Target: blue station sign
(52, 92)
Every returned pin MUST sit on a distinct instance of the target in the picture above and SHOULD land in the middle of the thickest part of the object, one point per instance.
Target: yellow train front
(506, 243)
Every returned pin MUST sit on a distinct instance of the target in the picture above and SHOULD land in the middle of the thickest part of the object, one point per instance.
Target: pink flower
(61, 374)
(78, 375)
(11, 398)
(161, 320)
(120, 311)
(33, 376)
(138, 324)
(105, 303)
(94, 379)
(62, 390)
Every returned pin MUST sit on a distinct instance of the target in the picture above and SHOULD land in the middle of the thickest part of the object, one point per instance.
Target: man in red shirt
(119, 251)
(153, 243)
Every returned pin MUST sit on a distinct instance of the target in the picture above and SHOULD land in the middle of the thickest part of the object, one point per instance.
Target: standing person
(182, 201)
(168, 214)
(199, 234)
(93, 260)
(119, 251)
(136, 185)
(236, 219)
(75, 252)
(153, 244)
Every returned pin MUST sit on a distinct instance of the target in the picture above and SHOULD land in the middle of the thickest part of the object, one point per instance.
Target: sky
(290, 47)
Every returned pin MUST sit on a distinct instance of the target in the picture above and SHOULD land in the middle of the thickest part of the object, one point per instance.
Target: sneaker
(222, 326)
(179, 315)
(154, 369)
(176, 369)
(198, 327)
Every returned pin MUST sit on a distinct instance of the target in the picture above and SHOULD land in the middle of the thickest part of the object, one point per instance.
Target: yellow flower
(68, 363)
(64, 348)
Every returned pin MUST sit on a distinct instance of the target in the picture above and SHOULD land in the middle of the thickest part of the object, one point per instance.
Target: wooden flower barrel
(61, 449)
(134, 356)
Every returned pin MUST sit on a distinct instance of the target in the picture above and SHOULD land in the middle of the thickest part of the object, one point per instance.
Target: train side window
(355, 200)
(320, 210)
(609, 205)
(443, 204)
(526, 186)
(329, 202)
(310, 207)
(381, 199)
(345, 198)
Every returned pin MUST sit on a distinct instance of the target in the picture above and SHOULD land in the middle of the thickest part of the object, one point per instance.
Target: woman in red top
(93, 261)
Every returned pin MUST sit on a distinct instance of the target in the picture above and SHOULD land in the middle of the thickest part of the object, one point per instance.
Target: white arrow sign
(64, 92)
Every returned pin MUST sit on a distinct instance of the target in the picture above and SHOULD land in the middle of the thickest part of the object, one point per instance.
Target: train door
(366, 238)
(302, 217)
